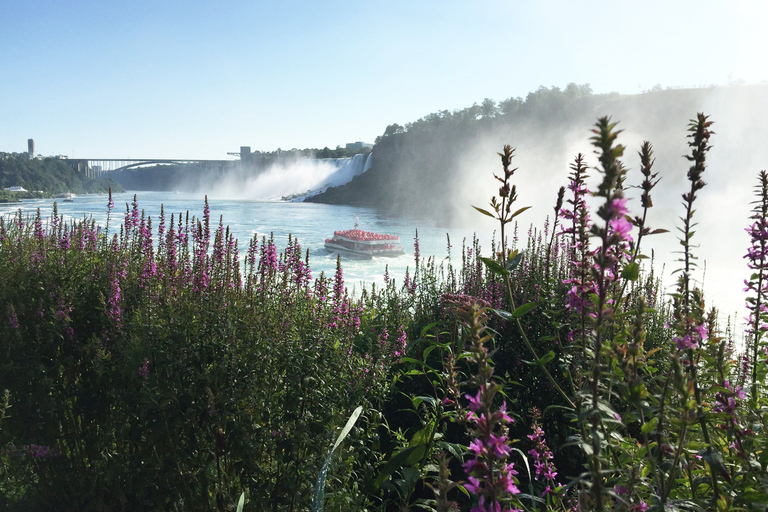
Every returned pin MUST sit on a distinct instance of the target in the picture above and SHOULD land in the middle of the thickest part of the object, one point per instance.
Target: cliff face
(409, 174)
(445, 160)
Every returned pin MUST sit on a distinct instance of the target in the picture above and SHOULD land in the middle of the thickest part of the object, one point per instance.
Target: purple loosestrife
(39, 452)
(757, 261)
(237, 280)
(39, 233)
(502, 207)
(689, 324)
(650, 180)
(161, 232)
(298, 267)
(727, 400)
(383, 339)
(135, 212)
(253, 249)
(219, 249)
(268, 261)
(542, 456)
(144, 370)
(64, 241)
(489, 476)
(110, 207)
(320, 293)
(115, 296)
(613, 234)
(577, 298)
(400, 345)
(340, 305)
(206, 223)
(13, 320)
(551, 246)
(170, 251)
(338, 282)
(407, 281)
(55, 221)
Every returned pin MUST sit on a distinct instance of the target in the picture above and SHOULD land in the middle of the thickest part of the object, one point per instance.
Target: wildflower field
(153, 364)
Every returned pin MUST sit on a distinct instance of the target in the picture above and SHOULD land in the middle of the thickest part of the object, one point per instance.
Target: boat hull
(363, 254)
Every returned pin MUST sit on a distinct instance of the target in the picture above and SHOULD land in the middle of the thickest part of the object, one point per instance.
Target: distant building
(354, 146)
(16, 189)
(31, 148)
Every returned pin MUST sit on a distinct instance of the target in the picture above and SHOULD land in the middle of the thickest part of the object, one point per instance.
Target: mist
(545, 149)
(292, 178)
(437, 168)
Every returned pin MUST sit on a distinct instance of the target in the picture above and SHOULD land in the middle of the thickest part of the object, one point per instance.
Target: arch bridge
(96, 167)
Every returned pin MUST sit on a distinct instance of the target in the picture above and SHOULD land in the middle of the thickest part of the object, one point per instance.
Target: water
(311, 223)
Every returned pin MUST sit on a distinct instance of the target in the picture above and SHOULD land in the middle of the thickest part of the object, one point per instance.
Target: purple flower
(13, 320)
(40, 452)
(475, 402)
(144, 369)
(621, 226)
(685, 342)
(542, 456)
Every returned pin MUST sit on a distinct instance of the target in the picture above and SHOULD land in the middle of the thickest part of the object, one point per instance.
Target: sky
(198, 79)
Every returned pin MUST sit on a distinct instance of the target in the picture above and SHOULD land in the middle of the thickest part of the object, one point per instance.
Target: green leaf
(395, 463)
(631, 271)
(504, 315)
(484, 212)
(417, 400)
(317, 502)
(518, 212)
(494, 266)
(549, 356)
(422, 436)
(428, 328)
(521, 310)
(417, 455)
(241, 503)
(513, 262)
(428, 350)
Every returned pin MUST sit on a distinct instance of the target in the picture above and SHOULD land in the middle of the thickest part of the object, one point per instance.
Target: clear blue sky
(194, 79)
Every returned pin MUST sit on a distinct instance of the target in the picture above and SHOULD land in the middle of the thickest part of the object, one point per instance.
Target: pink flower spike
(475, 402)
(619, 207)
(476, 447)
(502, 415)
(702, 331)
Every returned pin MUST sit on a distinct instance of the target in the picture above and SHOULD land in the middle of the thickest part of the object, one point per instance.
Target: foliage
(152, 369)
(47, 176)
(149, 370)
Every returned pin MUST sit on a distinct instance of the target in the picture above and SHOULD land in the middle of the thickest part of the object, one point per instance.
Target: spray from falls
(292, 179)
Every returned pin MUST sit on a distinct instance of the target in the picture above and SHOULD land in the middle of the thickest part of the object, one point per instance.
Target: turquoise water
(311, 223)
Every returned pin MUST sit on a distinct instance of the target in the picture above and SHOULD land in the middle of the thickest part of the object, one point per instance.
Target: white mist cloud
(723, 207)
(290, 177)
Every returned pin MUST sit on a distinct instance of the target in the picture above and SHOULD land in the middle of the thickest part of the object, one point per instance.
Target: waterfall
(345, 170)
(291, 179)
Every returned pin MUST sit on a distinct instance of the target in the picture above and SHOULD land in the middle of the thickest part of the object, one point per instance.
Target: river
(311, 223)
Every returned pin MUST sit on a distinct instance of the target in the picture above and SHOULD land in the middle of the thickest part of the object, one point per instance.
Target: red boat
(364, 244)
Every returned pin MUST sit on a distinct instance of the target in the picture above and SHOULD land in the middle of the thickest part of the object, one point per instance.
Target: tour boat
(364, 244)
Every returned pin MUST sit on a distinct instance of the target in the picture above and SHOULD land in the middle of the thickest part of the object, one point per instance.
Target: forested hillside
(421, 168)
(49, 175)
